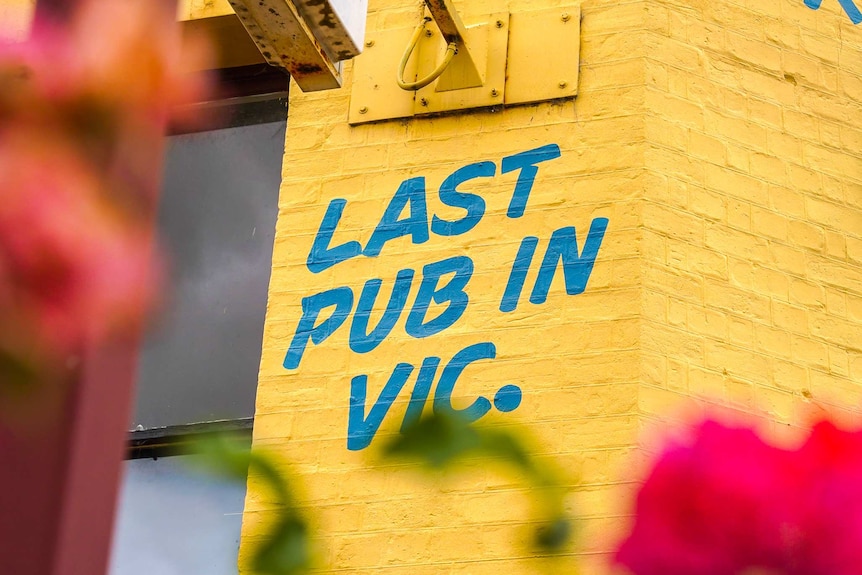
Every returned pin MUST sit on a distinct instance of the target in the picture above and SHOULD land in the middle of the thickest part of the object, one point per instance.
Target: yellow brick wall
(752, 213)
(720, 140)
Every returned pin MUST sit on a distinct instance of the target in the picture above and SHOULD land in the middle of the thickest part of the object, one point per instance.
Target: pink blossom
(81, 117)
(729, 503)
(829, 500)
(72, 267)
(703, 509)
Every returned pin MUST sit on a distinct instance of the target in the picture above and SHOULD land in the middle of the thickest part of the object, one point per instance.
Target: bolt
(369, 44)
(494, 92)
(363, 110)
(429, 33)
(563, 84)
(423, 101)
(499, 23)
(566, 17)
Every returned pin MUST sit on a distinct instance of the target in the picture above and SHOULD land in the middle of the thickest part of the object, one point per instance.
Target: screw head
(565, 17)
(428, 33)
(563, 84)
(494, 92)
(363, 110)
(499, 23)
(423, 101)
(369, 43)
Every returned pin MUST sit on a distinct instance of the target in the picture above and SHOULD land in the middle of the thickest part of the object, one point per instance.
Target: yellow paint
(488, 44)
(722, 144)
(543, 57)
(527, 56)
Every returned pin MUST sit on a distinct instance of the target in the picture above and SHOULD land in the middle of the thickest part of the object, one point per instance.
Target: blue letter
(420, 391)
(526, 162)
(361, 430)
(453, 292)
(577, 269)
(360, 342)
(518, 274)
(848, 5)
(321, 255)
(443, 395)
(450, 196)
(341, 298)
(410, 192)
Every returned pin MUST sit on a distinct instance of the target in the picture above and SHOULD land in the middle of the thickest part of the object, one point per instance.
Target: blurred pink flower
(114, 56)
(71, 267)
(729, 503)
(829, 500)
(82, 112)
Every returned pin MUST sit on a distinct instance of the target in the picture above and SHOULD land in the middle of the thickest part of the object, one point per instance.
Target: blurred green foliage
(285, 549)
(443, 441)
(16, 374)
(436, 443)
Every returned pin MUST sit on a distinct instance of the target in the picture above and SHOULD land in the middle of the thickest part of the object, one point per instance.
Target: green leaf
(505, 445)
(285, 550)
(554, 535)
(441, 440)
(16, 373)
(436, 441)
(224, 457)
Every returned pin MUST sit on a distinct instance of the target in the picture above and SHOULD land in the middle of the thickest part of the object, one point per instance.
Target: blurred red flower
(82, 112)
(71, 266)
(829, 502)
(729, 503)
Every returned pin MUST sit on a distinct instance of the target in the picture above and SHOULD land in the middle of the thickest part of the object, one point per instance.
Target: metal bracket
(464, 70)
(463, 84)
(505, 60)
(308, 38)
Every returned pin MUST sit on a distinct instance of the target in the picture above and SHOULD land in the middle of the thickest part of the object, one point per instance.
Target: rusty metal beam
(447, 19)
(339, 25)
(286, 41)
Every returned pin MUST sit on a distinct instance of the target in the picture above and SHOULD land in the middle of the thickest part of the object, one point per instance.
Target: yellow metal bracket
(451, 50)
(444, 65)
(464, 71)
(464, 85)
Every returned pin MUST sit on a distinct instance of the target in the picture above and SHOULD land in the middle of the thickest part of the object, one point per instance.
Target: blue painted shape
(341, 298)
(849, 7)
(518, 274)
(450, 375)
(526, 162)
(450, 196)
(321, 255)
(507, 398)
(420, 391)
(361, 341)
(577, 269)
(411, 193)
(361, 429)
(851, 10)
(453, 293)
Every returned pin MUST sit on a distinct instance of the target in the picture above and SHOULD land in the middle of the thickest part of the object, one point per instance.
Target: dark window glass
(217, 217)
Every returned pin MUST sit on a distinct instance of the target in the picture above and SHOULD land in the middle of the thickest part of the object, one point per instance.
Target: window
(199, 363)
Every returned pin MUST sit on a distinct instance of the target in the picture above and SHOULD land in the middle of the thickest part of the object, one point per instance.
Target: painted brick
(721, 143)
